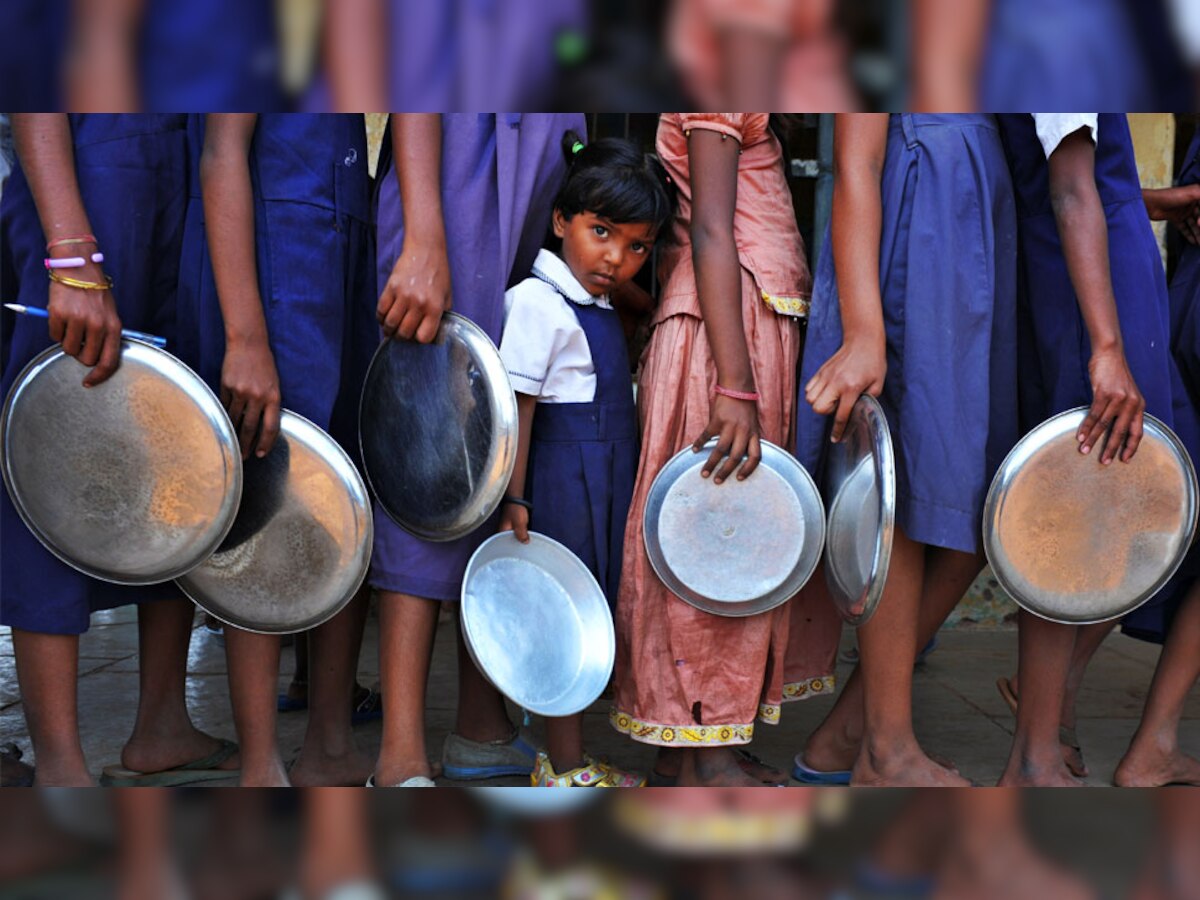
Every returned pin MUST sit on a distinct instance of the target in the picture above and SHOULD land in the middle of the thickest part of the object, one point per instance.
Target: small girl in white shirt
(564, 349)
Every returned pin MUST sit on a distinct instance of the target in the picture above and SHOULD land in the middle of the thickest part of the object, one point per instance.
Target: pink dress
(686, 678)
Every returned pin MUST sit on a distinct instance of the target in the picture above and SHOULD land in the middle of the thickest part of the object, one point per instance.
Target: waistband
(585, 422)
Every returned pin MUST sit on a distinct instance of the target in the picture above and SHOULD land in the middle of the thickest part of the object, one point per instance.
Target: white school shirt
(1052, 128)
(1186, 18)
(544, 348)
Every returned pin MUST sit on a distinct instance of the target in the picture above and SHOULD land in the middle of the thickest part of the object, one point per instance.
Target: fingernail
(1084, 449)
(1079, 437)
(704, 474)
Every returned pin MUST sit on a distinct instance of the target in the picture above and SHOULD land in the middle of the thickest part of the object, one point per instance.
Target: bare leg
(890, 754)
(406, 629)
(482, 715)
(1154, 757)
(1173, 871)
(253, 661)
(145, 869)
(337, 840)
(948, 574)
(329, 755)
(1045, 658)
(564, 742)
(47, 672)
(163, 734)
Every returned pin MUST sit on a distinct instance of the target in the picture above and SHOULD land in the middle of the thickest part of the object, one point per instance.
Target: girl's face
(603, 254)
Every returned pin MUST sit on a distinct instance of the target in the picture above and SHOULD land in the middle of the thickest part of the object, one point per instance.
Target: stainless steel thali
(738, 548)
(537, 624)
(438, 427)
(1077, 542)
(134, 481)
(301, 543)
(860, 490)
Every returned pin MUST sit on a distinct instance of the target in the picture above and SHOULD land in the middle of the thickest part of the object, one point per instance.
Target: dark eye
(639, 248)
(600, 230)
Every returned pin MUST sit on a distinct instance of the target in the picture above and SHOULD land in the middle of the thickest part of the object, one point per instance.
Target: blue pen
(43, 314)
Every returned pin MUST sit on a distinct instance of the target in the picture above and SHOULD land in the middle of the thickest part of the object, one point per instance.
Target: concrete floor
(959, 714)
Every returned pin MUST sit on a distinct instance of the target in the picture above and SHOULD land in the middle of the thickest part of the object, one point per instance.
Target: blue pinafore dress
(315, 259)
(947, 275)
(132, 173)
(583, 457)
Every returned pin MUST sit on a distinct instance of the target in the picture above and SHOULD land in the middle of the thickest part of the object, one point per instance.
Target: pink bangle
(72, 262)
(737, 395)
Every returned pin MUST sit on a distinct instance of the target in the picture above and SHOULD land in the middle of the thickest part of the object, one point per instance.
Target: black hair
(614, 178)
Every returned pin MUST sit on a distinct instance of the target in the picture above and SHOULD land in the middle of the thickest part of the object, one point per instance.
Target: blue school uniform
(132, 172)
(500, 172)
(947, 277)
(583, 457)
(315, 259)
(1054, 348)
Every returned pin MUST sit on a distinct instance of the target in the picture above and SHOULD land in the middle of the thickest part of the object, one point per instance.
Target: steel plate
(1076, 542)
(438, 427)
(537, 624)
(739, 548)
(301, 544)
(134, 481)
(860, 490)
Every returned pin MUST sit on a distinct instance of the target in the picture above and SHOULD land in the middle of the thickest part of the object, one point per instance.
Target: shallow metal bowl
(537, 624)
(438, 427)
(738, 548)
(301, 544)
(860, 490)
(1077, 542)
(134, 481)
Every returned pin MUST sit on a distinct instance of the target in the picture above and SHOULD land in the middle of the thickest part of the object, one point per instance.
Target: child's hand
(1117, 408)
(87, 325)
(417, 292)
(735, 425)
(1178, 205)
(515, 518)
(250, 391)
(859, 367)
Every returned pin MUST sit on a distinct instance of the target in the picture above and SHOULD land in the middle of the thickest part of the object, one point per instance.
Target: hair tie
(576, 147)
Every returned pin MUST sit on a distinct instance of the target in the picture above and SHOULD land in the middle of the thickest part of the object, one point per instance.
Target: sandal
(13, 772)
(593, 773)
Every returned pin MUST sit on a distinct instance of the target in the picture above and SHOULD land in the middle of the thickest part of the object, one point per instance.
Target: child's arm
(356, 33)
(1178, 205)
(860, 365)
(513, 516)
(948, 43)
(101, 73)
(249, 381)
(85, 322)
(418, 290)
(1116, 401)
(713, 164)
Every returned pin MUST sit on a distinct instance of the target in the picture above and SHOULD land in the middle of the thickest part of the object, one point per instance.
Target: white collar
(551, 268)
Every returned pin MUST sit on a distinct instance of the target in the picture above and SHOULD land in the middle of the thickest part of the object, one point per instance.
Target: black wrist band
(519, 501)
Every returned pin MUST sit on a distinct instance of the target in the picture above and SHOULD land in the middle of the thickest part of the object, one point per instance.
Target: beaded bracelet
(76, 239)
(82, 285)
(72, 262)
(737, 395)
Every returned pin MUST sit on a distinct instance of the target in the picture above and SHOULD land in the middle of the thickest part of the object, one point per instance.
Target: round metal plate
(134, 481)
(860, 488)
(1077, 542)
(739, 548)
(438, 427)
(301, 543)
(537, 624)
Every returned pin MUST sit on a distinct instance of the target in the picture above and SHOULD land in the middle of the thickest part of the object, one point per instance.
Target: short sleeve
(1052, 128)
(770, 16)
(528, 341)
(732, 124)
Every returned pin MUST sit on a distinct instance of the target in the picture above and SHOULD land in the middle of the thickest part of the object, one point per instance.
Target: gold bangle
(82, 285)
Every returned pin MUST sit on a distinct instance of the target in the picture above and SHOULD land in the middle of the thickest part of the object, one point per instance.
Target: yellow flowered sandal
(591, 774)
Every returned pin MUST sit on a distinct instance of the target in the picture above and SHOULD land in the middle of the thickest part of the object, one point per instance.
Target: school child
(116, 185)
(936, 344)
(1090, 278)
(564, 349)
(462, 213)
(276, 311)
(721, 362)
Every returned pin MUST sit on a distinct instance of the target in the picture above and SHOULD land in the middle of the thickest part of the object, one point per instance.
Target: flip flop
(1066, 736)
(13, 772)
(806, 775)
(195, 772)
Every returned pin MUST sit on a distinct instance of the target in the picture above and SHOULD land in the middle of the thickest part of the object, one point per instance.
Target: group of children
(981, 274)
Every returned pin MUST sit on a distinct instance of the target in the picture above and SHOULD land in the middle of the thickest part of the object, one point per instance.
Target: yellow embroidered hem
(804, 690)
(787, 306)
(768, 714)
(681, 735)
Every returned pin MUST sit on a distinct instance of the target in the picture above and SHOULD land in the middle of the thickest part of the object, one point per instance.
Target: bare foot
(903, 767)
(717, 767)
(168, 751)
(1007, 868)
(1168, 876)
(1023, 773)
(669, 762)
(829, 752)
(351, 769)
(1150, 766)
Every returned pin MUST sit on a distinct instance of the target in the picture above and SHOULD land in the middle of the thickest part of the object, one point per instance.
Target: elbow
(709, 237)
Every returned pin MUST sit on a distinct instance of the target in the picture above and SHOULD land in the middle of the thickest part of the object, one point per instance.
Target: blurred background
(654, 843)
(638, 55)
